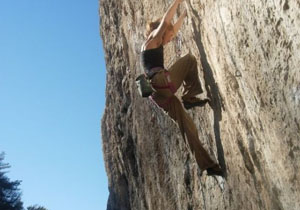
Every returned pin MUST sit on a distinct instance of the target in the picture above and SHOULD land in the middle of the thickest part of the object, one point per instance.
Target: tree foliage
(36, 207)
(10, 195)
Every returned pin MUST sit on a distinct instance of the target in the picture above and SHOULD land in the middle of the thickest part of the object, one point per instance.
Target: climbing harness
(146, 88)
(170, 85)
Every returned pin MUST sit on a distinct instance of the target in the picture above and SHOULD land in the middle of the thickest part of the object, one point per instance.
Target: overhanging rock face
(248, 56)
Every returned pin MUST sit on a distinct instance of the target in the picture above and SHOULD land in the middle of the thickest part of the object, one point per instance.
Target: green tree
(36, 207)
(10, 195)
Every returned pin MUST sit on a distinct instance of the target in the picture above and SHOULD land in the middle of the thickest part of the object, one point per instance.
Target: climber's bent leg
(185, 71)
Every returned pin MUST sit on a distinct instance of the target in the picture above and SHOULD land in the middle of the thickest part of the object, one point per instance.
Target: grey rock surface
(248, 56)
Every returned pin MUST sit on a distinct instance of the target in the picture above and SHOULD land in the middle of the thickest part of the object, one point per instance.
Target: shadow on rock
(214, 95)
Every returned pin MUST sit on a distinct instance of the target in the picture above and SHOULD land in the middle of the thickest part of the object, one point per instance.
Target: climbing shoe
(215, 171)
(195, 102)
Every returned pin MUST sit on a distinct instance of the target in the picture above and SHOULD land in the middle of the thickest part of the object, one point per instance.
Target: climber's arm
(179, 22)
(168, 16)
(166, 20)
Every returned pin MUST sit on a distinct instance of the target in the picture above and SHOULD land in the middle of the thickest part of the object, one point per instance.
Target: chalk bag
(144, 86)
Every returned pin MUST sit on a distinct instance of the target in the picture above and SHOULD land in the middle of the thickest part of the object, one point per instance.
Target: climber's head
(152, 26)
(169, 33)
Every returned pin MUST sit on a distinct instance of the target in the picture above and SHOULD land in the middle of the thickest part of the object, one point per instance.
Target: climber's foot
(215, 171)
(192, 102)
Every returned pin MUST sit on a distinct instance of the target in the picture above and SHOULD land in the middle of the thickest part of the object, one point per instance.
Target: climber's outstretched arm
(166, 20)
(179, 22)
(168, 16)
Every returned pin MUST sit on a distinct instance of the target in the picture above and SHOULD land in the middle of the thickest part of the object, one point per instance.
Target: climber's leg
(170, 103)
(185, 71)
(188, 129)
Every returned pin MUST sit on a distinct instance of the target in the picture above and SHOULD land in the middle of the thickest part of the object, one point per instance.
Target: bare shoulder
(151, 43)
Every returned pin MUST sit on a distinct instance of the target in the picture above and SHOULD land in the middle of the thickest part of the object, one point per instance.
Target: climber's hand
(180, 1)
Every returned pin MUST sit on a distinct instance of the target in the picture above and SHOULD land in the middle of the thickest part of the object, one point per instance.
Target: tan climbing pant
(185, 72)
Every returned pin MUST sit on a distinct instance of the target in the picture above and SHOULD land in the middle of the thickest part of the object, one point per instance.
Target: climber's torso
(152, 59)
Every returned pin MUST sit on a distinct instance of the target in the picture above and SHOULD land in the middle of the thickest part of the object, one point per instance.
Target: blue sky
(52, 97)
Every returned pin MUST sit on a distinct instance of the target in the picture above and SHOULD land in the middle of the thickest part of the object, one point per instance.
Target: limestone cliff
(248, 56)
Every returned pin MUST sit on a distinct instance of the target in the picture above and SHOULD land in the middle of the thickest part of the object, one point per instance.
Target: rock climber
(167, 81)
